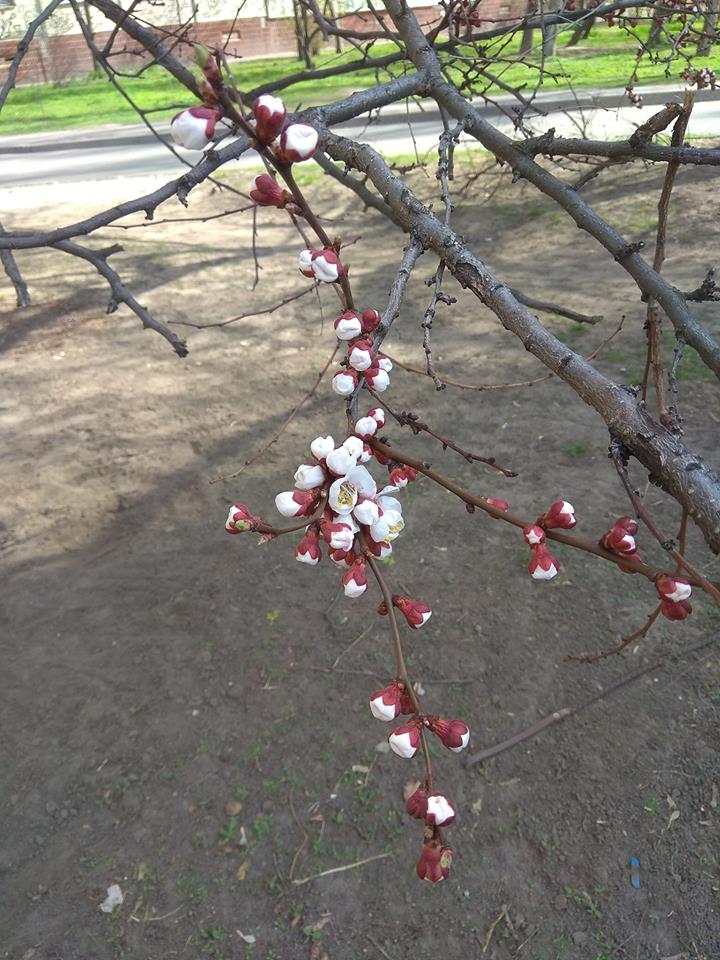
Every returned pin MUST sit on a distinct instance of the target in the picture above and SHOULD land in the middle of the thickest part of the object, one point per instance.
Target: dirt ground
(185, 713)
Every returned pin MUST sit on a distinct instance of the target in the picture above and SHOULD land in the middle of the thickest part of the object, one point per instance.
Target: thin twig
(565, 712)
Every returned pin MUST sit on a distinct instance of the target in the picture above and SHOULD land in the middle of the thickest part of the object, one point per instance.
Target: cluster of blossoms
(286, 143)
(422, 803)
(701, 77)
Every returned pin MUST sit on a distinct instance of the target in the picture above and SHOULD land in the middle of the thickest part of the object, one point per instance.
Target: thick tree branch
(23, 47)
(670, 463)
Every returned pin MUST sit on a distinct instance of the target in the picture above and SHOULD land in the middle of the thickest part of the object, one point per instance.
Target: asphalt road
(116, 152)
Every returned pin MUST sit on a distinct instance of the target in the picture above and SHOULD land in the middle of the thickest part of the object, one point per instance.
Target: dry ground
(156, 669)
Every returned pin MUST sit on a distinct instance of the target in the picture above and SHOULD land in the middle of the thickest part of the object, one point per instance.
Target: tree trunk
(550, 32)
(710, 25)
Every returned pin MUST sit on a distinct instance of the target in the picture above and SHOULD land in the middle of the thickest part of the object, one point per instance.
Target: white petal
(402, 745)
(342, 496)
(439, 808)
(340, 461)
(465, 740)
(540, 574)
(353, 589)
(354, 446)
(381, 710)
(286, 505)
(361, 478)
(307, 558)
(309, 476)
(322, 446)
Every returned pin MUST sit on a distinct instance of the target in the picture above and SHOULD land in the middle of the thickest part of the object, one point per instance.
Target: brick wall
(62, 58)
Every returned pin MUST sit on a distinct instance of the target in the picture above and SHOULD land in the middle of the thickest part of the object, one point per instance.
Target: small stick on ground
(491, 929)
(347, 866)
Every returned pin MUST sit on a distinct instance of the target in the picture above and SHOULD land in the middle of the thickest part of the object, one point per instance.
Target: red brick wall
(57, 59)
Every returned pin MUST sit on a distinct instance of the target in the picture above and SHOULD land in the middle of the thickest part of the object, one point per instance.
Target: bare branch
(23, 47)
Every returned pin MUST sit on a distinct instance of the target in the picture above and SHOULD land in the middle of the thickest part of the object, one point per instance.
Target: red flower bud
(627, 523)
(440, 812)
(370, 320)
(416, 804)
(266, 192)
(675, 611)
(308, 550)
(270, 116)
(405, 740)
(415, 612)
(454, 734)
(673, 589)
(386, 704)
(239, 519)
(534, 535)
(543, 565)
(560, 514)
(355, 580)
(435, 862)
(498, 504)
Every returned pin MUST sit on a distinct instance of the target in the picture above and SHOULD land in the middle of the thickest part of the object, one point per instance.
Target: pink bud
(194, 128)
(385, 363)
(560, 514)
(673, 589)
(534, 534)
(342, 558)
(308, 550)
(298, 142)
(377, 413)
(370, 320)
(347, 326)
(416, 804)
(338, 536)
(454, 734)
(361, 356)
(296, 503)
(355, 580)
(239, 519)
(618, 540)
(498, 504)
(440, 812)
(543, 565)
(415, 612)
(344, 382)
(270, 115)
(326, 265)
(405, 740)
(627, 523)
(265, 191)
(435, 862)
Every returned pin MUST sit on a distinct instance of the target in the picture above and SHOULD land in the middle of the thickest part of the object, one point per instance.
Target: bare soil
(185, 713)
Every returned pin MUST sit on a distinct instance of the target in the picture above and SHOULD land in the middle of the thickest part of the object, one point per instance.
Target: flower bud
(305, 263)
(415, 612)
(366, 427)
(377, 379)
(194, 128)
(400, 476)
(309, 475)
(385, 363)
(673, 589)
(454, 734)
(560, 514)
(377, 413)
(296, 503)
(269, 115)
(341, 460)
(343, 558)
(627, 523)
(440, 812)
(239, 519)
(298, 142)
(321, 447)
(405, 740)
(435, 862)
(344, 382)
(543, 565)
(361, 355)
(355, 580)
(386, 704)
(417, 803)
(379, 549)
(326, 266)
(498, 504)
(618, 540)
(338, 536)
(308, 550)
(370, 320)
(366, 454)
(534, 534)
(265, 191)
(347, 326)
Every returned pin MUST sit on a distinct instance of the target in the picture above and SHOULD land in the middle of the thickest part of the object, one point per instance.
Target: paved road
(116, 152)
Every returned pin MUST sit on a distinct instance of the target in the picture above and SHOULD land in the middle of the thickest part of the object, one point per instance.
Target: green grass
(605, 59)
